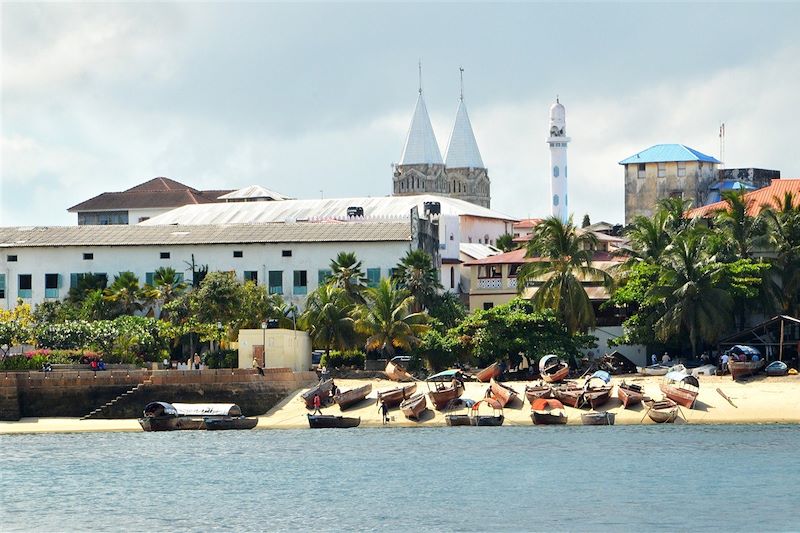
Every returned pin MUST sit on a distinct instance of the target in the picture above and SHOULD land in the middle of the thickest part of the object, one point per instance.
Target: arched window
(452, 278)
(555, 171)
(555, 199)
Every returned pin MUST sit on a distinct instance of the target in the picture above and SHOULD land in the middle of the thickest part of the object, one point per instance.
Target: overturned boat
(597, 418)
(776, 368)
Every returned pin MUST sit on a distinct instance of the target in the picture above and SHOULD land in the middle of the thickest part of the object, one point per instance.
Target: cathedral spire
(462, 149)
(421, 147)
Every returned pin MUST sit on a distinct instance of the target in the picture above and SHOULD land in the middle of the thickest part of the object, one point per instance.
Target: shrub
(221, 359)
(343, 359)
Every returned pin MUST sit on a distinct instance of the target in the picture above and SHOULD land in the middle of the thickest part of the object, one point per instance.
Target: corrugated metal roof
(385, 207)
(253, 192)
(421, 146)
(462, 148)
(662, 153)
(477, 251)
(758, 199)
(139, 235)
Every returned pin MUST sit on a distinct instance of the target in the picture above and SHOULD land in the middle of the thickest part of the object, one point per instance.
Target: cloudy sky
(314, 99)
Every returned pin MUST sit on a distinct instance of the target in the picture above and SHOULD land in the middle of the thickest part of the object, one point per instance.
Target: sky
(315, 99)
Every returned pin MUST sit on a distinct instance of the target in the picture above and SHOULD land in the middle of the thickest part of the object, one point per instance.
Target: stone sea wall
(77, 393)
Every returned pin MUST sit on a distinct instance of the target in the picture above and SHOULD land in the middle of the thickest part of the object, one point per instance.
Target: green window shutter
(148, 277)
(60, 281)
(276, 281)
(373, 276)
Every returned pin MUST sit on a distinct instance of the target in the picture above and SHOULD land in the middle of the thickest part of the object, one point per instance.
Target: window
(52, 282)
(300, 282)
(88, 257)
(148, 278)
(555, 171)
(452, 277)
(642, 170)
(276, 281)
(487, 305)
(323, 275)
(99, 280)
(286, 253)
(238, 253)
(102, 218)
(24, 283)
(373, 277)
(681, 169)
(12, 258)
(251, 275)
(142, 219)
(2, 286)
(662, 170)
(164, 255)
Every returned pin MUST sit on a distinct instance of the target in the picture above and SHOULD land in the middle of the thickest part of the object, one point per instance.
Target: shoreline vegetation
(760, 400)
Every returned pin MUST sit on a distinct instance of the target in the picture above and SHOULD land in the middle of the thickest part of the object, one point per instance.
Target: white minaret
(558, 161)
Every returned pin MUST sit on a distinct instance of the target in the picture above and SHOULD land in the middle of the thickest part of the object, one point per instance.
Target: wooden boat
(159, 416)
(653, 370)
(629, 394)
(394, 397)
(353, 396)
(597, 397)
(396, 372)
(414, 406)
(323, 388)
(597, 418)
(448, 387)
(776, 368)
(533, 392)
(663, 411)
(681, 388)
(548, 411)
(569, 395)
(457, 420)
(552, 369)
(331, 421)
(487, 374)
(502, 393)
(476, 418)
(163, 416)
(740, 369)
(242, 422)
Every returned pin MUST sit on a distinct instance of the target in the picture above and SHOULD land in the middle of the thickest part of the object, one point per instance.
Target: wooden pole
(780, 349)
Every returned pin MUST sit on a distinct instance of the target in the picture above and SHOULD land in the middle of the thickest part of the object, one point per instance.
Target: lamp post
(219, 335)
(264, 341)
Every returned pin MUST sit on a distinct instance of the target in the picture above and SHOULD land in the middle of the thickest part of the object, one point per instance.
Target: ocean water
(623, 478)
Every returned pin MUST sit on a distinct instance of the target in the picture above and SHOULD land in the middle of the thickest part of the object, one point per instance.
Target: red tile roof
(526, 223)
(759, 199)
(153, 194)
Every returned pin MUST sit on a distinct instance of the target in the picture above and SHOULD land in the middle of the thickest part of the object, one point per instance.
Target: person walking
(317, 403)
(384, 410)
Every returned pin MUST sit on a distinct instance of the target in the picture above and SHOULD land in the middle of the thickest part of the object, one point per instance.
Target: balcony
(490, 283)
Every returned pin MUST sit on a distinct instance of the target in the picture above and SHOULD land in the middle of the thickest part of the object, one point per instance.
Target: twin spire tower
(421, 169)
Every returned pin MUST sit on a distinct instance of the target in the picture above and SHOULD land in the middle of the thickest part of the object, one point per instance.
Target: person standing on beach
(196, 361)
(317, 403)
(384, 412)
(654, 359)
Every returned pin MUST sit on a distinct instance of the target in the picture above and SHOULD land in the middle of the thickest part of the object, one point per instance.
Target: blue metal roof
(662, 153)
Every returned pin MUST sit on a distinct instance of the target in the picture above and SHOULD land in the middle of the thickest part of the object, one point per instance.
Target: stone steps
(127, 393)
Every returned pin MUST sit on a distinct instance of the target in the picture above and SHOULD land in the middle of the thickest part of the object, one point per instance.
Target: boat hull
(663, 412)
(503, 394)
(487, 420)
(653, 370)
(533, 393)
(597, 419)
(739, 369)
(548, 418)
(597, 397)
(683, 397)
(159, 423)
(559, 375)
(440, 398)
(629, 396)
(331, 421)
(414, 406)
(571, 397)
(396, 372)
(353, 396)
(323, 388)
(457, 420)
(220, 424)
(487, 374)
(394, 397)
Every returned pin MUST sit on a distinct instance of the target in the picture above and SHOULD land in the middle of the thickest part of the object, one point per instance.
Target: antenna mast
(722, 143)
(420, 76)
(461, 71)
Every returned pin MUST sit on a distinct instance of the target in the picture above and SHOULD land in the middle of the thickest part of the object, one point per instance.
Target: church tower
(467, 177)
(420, 170)
(558, 161)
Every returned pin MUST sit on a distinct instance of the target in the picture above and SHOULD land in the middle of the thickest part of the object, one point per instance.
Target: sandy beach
(759, 400)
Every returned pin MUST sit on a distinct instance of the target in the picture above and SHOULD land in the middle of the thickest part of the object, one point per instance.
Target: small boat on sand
(331, 421)
(457, 420)
(323, 388)
(490, 372)
(663, 411)
(476, 418)
(597, 418)
(394, 397)
(448, 387)
(537, 390)
(629, 394)
(548, 411)
(569, 394)
(163, 416)
(218, 424)
(744, 360)
(776, 368)
(414, 406)
(502, 393)
(396, 372)
(353, 396)
(653, 370)
(597, 390)
(681, 388)
(552, 369)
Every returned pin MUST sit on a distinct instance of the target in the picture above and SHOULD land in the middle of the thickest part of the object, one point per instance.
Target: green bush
(221, 359)
(343, 359)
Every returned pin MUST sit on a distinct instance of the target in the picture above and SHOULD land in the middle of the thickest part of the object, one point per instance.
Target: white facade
(558, 161)
(283, 348)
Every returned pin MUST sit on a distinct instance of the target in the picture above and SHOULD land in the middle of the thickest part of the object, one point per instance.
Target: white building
(558, 161)
(41, 263)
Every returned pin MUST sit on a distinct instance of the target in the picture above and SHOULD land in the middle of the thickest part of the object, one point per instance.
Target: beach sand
(758, 400)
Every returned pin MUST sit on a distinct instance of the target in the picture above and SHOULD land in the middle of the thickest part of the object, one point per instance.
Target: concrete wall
(285, 348)
(635, 352)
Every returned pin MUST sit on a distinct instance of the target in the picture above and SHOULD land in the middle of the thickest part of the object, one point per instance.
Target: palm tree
(784, 239)
(348, 275)
(688, 286)
(167, 285)
(387, 320)
(416, 274)
(742, 231)
(650, 237)
(675, 209)
(125, 293)
(327, 318)
(505, 242)
(562, 259)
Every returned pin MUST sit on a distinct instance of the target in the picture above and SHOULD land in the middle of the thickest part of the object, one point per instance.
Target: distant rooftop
(253, 193)
(157, 193)
(757, 200)
(663, 153)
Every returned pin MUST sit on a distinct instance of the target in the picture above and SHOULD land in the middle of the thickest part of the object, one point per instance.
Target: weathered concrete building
(667, 171)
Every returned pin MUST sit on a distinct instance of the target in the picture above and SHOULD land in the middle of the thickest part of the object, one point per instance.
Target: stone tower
(558, 161)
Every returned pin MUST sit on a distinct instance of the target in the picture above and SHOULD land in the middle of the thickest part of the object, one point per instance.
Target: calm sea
(629, 478)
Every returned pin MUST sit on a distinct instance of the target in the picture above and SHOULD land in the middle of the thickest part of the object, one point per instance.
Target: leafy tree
(439, 351)
(563, 257)
(740, 231)
(675, 211)
(86, 283)
(387, 321)
(327, 319)
(347, 274)
(96, 306)
(125, 293)
(505, 242)
(416, 274)
(447, 310)
(649, 237)
(784, 238)
(218, 299)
